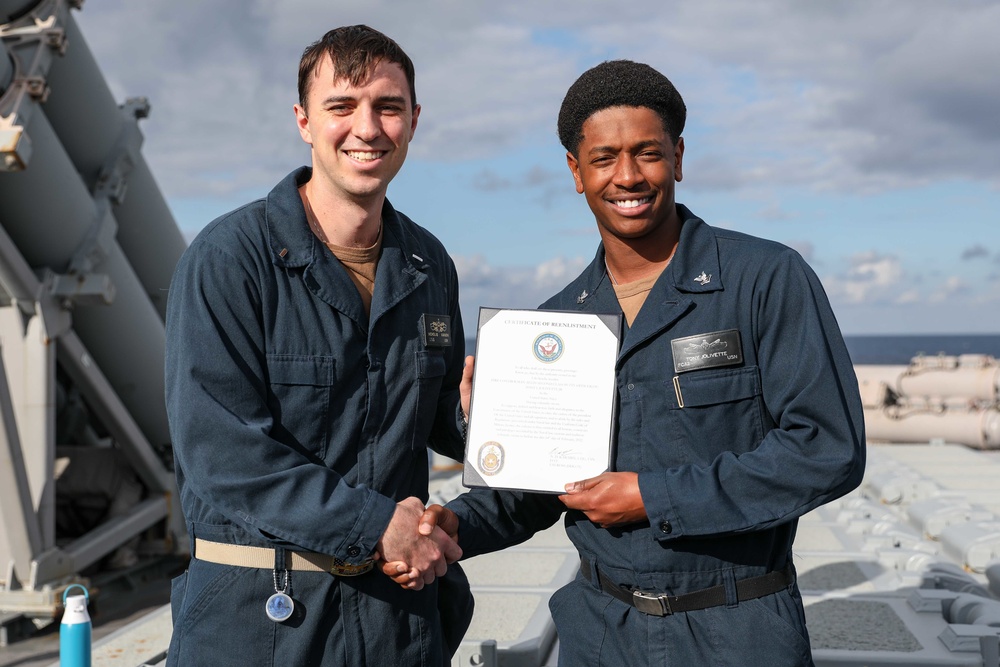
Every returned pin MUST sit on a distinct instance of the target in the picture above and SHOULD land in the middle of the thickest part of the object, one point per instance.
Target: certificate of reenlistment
(543, 399)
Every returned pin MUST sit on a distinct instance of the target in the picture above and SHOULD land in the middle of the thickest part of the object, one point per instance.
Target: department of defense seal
(490, 458)
(548, 347)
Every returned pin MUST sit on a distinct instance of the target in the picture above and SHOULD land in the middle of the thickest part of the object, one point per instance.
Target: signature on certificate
(562, 453)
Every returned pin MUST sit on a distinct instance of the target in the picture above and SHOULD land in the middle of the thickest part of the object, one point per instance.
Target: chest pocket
(431, 368)
(299, 400)
(716, 411)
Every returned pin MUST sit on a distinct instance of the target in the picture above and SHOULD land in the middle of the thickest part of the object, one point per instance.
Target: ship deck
(903, 571)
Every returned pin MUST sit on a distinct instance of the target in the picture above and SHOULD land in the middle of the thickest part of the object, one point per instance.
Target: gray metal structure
(87, 249)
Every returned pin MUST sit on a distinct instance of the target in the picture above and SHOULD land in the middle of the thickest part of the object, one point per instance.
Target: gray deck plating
(904, 571)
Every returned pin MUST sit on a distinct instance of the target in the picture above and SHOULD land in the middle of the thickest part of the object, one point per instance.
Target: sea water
(900, 349)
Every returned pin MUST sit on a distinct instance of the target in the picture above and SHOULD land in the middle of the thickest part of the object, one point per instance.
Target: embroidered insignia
(703, 278)
(436, 330)
(582, 297)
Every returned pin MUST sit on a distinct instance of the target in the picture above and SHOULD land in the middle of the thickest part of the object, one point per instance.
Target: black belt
(658, 604)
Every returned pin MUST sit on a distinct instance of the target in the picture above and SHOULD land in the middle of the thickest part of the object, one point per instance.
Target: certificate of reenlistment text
(543, 399)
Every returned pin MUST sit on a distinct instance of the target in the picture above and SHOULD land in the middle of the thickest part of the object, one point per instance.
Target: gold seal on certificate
(543, 398)
(490, 458)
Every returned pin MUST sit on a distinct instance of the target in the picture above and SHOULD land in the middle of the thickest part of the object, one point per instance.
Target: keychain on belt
(280, 606)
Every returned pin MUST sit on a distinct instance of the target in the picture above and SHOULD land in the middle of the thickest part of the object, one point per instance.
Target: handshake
(418, 545)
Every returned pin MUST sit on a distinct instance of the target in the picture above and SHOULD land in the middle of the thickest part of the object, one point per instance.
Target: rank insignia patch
(707, 350)
(436, 330)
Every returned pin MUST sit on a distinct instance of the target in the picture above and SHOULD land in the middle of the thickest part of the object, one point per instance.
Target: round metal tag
(279, 607)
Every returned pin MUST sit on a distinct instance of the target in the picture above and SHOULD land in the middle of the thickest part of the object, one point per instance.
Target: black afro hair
(619, 83)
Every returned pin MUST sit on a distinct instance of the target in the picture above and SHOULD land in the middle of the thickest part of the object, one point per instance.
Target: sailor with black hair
(738, 411)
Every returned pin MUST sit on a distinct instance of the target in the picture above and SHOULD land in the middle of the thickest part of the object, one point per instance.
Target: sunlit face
(626, 169)
(359, 134)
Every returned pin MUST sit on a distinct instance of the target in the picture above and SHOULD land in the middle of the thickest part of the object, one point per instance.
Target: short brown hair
(355, 51)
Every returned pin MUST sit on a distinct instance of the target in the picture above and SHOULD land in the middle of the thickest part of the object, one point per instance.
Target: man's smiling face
(359, 134)
(626, 167)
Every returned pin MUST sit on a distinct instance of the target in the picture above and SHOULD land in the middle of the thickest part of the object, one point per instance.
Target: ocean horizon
(901, 348)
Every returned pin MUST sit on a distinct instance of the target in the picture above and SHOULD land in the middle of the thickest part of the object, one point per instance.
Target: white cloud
(882, 299)
(786, 99)
(843, 96)
(878, 295)
(951, 288)
(838, 95)
(870, 278)
(878, 271)
(483, 284)
(220, 88)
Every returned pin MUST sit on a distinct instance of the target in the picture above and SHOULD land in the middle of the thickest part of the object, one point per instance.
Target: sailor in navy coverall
(300, 422)
(738, 411)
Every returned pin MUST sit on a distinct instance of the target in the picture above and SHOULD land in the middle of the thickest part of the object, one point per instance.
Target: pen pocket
(715, 411)
(430, 373)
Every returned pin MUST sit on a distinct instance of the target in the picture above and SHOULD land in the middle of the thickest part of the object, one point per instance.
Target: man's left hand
(610, 499)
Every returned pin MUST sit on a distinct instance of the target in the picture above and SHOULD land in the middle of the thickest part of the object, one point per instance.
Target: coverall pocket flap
(715, 387)
(430, 364)
(300, 370)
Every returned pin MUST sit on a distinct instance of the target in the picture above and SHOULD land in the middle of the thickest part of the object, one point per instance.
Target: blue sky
(865, 135)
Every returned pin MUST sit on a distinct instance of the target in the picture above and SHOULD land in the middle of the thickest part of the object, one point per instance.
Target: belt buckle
(653, 605)
(341, 569)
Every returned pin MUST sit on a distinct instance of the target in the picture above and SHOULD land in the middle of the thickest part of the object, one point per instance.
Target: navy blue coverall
(727, 458)
(299, 421)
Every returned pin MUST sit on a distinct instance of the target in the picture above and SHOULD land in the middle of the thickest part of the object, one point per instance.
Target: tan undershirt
(360, 264)
(632, 295)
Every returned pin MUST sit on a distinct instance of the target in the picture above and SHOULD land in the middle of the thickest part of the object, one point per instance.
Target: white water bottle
(74, 632)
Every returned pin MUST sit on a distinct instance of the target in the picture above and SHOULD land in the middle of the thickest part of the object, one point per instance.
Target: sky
(866, 135)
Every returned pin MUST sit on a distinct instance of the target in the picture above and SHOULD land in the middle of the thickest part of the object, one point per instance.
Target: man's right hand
(424, 550)
(435, 519)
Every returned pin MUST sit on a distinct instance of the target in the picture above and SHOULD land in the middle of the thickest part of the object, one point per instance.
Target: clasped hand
(419, 544)
(416, 554)
(610, 499)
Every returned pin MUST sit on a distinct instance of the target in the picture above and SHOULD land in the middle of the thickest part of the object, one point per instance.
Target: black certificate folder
(543, 399)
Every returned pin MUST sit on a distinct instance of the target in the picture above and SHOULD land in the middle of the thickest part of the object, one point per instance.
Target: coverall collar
(694, 269)
(401, 268)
